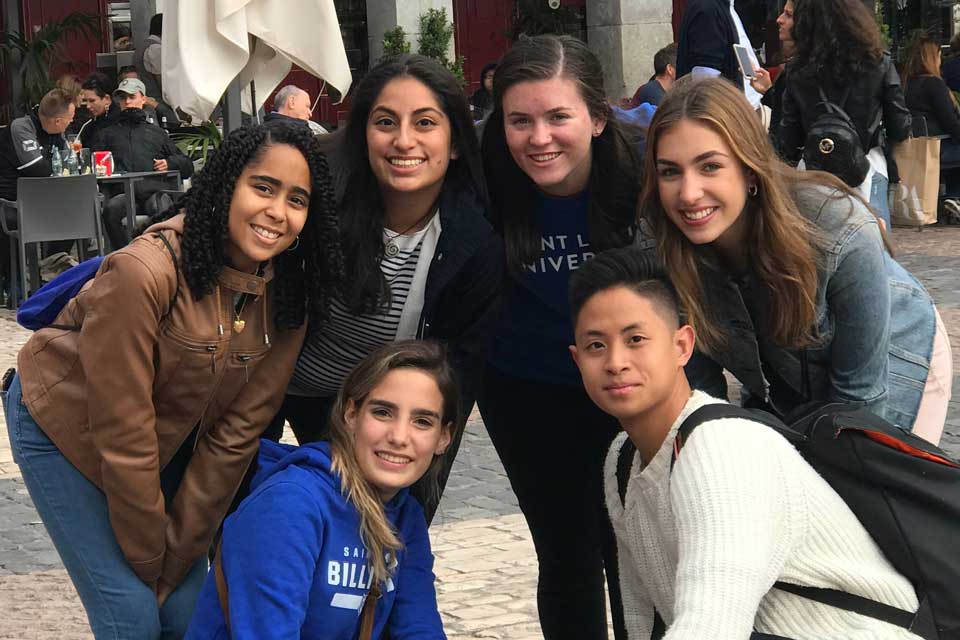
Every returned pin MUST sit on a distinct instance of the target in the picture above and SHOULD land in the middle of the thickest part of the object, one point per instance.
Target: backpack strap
(718, 411)
(624, 463)
(176, 268)
(221, 583)
(853, 603)
(829, 597)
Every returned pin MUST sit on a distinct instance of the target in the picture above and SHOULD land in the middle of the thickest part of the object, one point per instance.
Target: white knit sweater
(741, 510)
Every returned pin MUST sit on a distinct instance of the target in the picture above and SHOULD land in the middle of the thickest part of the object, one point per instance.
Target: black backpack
(904, 490)
(833, 143)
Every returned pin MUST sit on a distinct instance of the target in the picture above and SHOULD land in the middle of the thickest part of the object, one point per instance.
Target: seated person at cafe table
(25, 149)
(136, 146)
(97, 96)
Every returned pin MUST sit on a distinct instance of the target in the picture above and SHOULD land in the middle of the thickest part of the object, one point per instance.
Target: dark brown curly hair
(307, 277)
(835, 39)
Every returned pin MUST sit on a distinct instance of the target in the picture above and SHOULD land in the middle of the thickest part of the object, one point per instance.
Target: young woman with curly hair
(331, 529)
(134, 417)
(784, 274)
(840, 51)
(422, 258)
(564, 177)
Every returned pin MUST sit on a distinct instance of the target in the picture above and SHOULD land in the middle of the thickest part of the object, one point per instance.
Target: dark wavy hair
(835, 39)
(306, 278)
(615, 168)
(361, 204)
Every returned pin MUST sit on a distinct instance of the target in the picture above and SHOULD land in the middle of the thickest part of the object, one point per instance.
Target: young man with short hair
(665, 74)
(703, 544)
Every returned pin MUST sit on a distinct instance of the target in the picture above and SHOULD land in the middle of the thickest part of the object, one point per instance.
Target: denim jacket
(875, 324)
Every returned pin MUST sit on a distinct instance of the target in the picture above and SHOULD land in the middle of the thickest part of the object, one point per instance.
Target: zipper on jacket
(212, 350)
(246, 372)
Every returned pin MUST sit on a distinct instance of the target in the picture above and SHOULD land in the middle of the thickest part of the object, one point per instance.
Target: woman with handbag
(784, 274)
(134, 419)
(931, 101)
(330, 528)
(858, 78)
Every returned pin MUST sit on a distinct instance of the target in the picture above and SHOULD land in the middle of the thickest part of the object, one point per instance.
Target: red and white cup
(103, 163)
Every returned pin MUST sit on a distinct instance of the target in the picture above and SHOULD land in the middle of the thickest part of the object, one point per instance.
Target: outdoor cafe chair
(49, 209)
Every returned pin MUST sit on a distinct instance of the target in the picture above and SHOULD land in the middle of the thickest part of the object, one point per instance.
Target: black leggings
(552, 441)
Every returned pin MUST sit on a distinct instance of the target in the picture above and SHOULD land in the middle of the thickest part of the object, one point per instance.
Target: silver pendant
(391, 250)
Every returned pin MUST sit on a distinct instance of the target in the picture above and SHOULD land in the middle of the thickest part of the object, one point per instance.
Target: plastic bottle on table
(73, 163)
(55, 162)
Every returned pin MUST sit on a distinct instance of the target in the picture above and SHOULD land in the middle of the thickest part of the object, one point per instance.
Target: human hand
(160, 165)
(761, 81)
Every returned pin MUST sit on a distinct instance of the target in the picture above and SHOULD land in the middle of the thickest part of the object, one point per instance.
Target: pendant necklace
(239, 324)
(391, 249)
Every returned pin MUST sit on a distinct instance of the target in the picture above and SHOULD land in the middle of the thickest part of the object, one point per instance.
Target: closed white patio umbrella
(207, 44)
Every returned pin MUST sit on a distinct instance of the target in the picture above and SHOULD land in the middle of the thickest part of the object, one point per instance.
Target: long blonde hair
(427, 356)
(781, 244)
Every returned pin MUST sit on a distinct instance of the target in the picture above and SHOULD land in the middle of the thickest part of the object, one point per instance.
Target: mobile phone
(743, 58)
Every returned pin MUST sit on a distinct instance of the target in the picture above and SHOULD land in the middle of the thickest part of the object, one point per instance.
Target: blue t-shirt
(535, 328)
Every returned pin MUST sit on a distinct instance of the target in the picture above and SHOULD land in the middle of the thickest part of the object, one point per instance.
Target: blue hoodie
(295, 563)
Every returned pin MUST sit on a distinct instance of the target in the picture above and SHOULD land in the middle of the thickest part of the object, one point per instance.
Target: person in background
(331, 527)
(290, 104)
(157, 111)
(665, 73)
(951, 68)
(150, 61)
(563, 175)
(122, 40)
(739, 507)
(784, 274)
(424, 261)
(97, 96)
(71, 84)
(136, 145)
(934, 110)
(708, 31)
(25, 150)
(773, 90)
(859, 74)
(481, 102)
(133, 432)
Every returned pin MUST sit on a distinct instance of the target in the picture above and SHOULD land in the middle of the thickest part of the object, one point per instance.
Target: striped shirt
(346, 339)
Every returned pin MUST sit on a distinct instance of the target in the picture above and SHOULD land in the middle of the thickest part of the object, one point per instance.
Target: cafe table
(129, 179)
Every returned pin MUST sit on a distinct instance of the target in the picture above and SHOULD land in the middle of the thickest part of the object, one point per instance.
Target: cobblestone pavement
(486, 566)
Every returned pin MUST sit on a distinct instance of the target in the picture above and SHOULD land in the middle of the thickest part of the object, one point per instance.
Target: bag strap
(853, 603)
(718, 411)
(624, 463)
(221, 583)
(367, 613)
(176, 268)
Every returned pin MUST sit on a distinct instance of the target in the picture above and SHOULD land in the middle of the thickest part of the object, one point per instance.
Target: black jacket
(135, 144)
(25, 150)
(929, 97)
(92, 128)
(871, 92)
(707, 36)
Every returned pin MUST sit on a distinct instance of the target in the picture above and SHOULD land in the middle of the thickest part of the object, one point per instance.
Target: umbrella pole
(232, 118)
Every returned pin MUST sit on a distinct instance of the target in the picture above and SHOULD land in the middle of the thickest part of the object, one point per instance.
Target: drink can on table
(103, 163)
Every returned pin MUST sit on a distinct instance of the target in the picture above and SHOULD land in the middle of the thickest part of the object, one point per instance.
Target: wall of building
(625, 34)
(383, 15)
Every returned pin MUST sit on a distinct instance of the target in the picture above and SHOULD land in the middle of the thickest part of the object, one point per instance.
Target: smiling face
(269, 206)
(96, 105)
(549, 131)
(702, 185)
(409, 141)
(398, 429)
(631, 353)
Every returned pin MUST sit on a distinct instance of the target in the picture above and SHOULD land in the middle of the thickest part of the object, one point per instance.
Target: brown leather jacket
(120, 396)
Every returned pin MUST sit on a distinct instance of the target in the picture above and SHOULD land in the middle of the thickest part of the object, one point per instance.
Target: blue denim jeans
(119, 605)
(878, 197)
